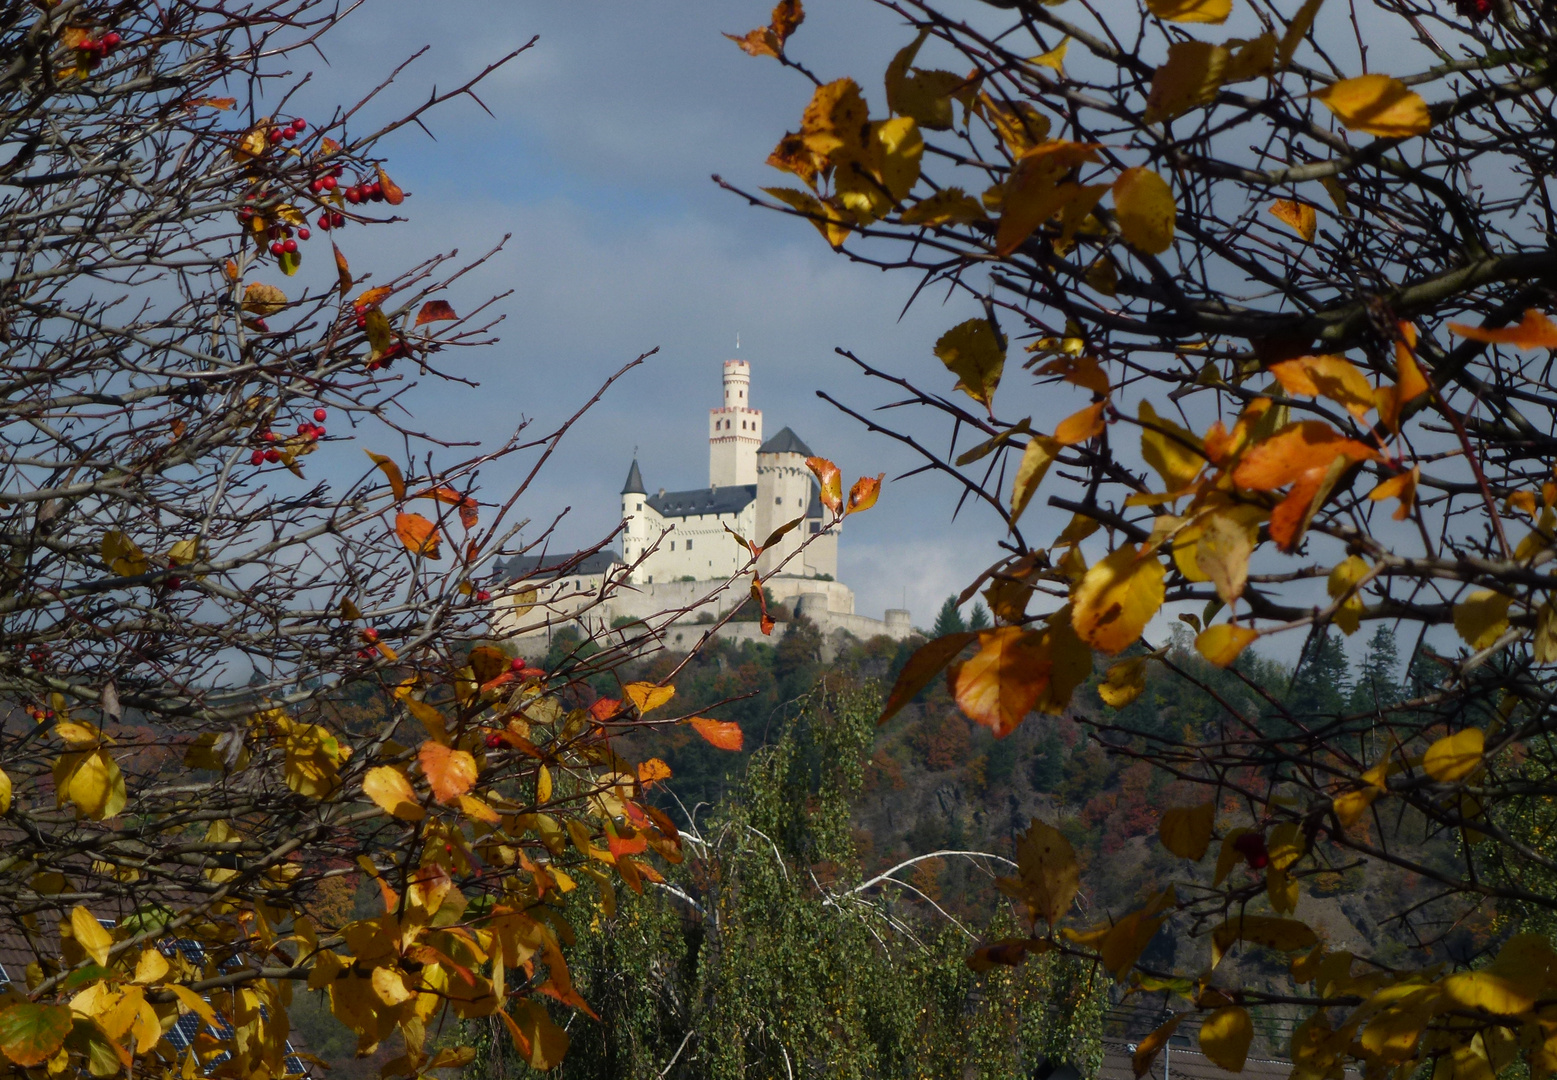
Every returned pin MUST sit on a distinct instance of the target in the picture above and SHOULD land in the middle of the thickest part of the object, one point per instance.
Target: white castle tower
(734, 431)
(784, 493)
(635, 526)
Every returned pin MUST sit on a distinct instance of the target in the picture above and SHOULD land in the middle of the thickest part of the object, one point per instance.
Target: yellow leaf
(540, 1042)
(1186, 830)
(1190, 77)
(647, 696)
(1222, 554)
(1286, 845)
(121, 554)
(1296, 31)
(1299, 216)
(1191, 11)
(450, 773)
(1225, 1037)
(5, 792)
(1173, 451)
(1454, 757)
(91, 781)
(1124, 682)
(1080, 426)
(90, 934)
(1490, 992)
(152, 967)
(392, 472)
(949, 206)
(1401, 486)
(1284, 935)
(1054, 59)
(834, 122)
(863, 493)
(1481, 618)
(1036, 459)
(391, 789)
(898, 148)
(976, 354)
(1378, 105)
(194, 1003)
(1000, 684)
(1048, 877)
(1020, 125)
(542, 785)
(1147, 1050)
(1351, 805)
(389, 986)
(1281, 890)
(1342, 579)
(1144, 208)
(1116, 599)
(1221, 644)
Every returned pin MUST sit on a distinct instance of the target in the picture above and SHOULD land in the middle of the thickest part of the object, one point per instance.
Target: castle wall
(696, 546)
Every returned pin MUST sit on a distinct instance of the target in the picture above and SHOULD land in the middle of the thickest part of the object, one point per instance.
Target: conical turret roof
(634, 485)
(785, 442)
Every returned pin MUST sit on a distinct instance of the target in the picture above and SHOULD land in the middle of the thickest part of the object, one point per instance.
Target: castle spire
(634, 485)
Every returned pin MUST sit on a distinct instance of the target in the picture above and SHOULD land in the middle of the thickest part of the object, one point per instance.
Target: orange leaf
(392, 471)
(372, 298)
(1402, 486)
(1333, 377)
(725, 734)
(450, 773)
(433, 311)
(342, 270)
(468, 507)
(1299, 216)
(862, 496)
(1080, 426)
(653, 771)
(1536, 331)
(925, 664)
(759, 42)
(1295, 450)
(418, 534)
(1000, 684)
(605, 708)
(392, 193)
(831, 480)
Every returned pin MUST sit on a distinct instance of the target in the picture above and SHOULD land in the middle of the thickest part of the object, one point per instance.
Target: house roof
(634, 485)
(731, 499)
(785, 442)
(562, 564)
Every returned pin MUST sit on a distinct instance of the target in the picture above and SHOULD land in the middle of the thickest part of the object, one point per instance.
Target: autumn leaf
(652, 772)
(1221, 644)
(1173, 451)
(32, 1033)
(1047, 875)
(1123, 682)
(435, 311)
(1186, 830)
(372, 298)
(540, 1042)
(1037, 190)
(862, 496)
(927, 661)
(758, 42)
(263, 300)
(976, 353)
(1144, 208)
(1191, 11)
(1454, 757)
(1534, 331)
(1299, 216)
(450, 773)
(1147, 1049)
(1225, 1037)
(1377, 105)
(342, 271)
(1333, 377)
(1222, 554)
(1038, 455)
(646, 697)
(5, 792)
(1401, 486)
(1481, 618)
(392, 193)
(831, 482)
(1002, 682)
(1190, 77)
(419, 535)
(391, 789)
(1284, 935)
(1081, 426)
(121, 554)
(949, 206)
(1117, 598)
(725, 734)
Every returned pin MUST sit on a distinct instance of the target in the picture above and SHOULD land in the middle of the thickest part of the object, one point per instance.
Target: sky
(597, 157)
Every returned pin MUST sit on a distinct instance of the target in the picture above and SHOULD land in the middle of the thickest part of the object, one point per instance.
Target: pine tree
(1322, 683)
(949, 620)
(979, 620)
(1378, 684)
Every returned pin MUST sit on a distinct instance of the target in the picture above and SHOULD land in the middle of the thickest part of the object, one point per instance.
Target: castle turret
(635, 527)
(734, 431)
(783, 494)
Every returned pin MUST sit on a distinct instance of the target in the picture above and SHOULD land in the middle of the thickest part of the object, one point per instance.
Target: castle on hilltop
(677, 547)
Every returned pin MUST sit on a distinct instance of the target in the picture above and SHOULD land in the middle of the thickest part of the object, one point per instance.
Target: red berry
(353, 196)
(300, 124)
(494, 741)
(270, 436)
(377, 194)
(276, 248)
(275, 135)
(320, 415)
(337, 219)
(316, 185)
(273, 455)
(112, 39)
(173, 584)
(318, 432)
(517, 663)
(330, 183)
(482, 596)
(290, 246)
(257, 458)
(370, 634)
(303, 234)
(261, 326)
(1251, 845)
(362, 320)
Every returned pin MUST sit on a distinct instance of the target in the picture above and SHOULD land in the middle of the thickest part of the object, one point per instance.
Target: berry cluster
(38, 715)
(289, 132)
(364, 191)
(37, 656)
(1474, 10)
(93, 50)
(370, 650)
(310, 432)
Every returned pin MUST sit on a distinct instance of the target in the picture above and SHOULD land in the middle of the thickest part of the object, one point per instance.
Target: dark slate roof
(539, 565)
(785, 442)
(634, 485)
(712, 500)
